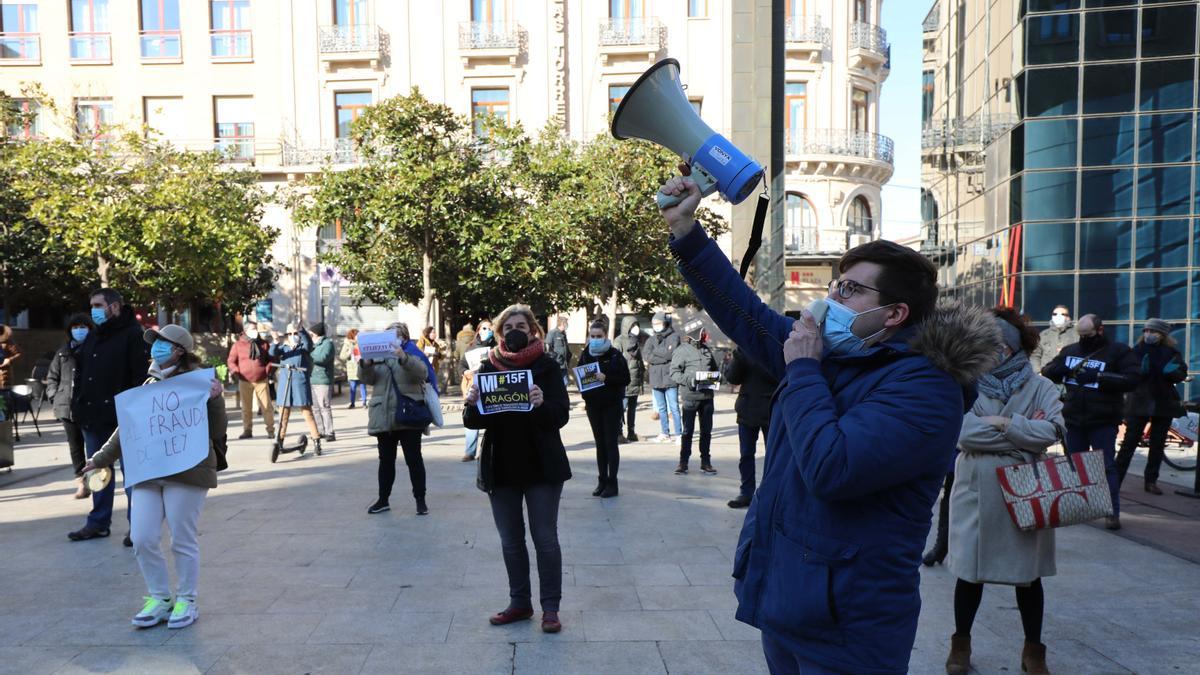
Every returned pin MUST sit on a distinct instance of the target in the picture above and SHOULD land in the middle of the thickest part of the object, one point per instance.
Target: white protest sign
(586, 376)
(164, 426)
(507, 391)
(377, 344)
(709, 380)
(475, 357)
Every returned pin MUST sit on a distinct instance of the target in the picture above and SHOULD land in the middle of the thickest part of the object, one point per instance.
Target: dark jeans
(781, 661)
(705, 410)
(1082, 439)
(630, 406)
(410, 443)
(1134, 427)
(100, 517)
(75, 444)
(542, 500)
(606, 425)
(748, 443)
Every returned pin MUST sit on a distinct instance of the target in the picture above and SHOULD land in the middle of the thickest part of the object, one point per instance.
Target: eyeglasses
(846, 288)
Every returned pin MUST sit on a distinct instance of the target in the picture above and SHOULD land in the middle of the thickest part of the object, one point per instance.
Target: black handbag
(409, 412)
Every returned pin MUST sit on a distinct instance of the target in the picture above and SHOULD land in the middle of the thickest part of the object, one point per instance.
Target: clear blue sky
(900, 116)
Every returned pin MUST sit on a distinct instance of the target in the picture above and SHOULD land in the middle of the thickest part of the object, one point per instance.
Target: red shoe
(550, 622)
(511, 615)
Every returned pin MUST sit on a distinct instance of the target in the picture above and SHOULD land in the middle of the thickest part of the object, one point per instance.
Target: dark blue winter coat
(292, 387)
(828, 558)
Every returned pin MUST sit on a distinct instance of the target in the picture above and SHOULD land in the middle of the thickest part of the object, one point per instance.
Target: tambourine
(98, 479)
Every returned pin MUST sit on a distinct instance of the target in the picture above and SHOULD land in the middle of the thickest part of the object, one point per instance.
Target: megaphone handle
(704, 180)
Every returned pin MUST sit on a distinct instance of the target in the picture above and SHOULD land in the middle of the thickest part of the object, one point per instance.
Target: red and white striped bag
(1056, 491)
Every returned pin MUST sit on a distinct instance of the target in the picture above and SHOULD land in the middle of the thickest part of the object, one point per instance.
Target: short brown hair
(907, 276)
(1029, 335)
(523, 310)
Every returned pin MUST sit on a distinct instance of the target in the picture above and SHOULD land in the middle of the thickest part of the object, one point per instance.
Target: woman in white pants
(177, 498)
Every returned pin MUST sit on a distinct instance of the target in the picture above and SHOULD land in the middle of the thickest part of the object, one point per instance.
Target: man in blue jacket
(862, 426)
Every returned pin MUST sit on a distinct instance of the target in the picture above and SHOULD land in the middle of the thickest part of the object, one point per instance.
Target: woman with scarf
(1017, 416)
(523, 460)
(604, 405)
(1155, 400)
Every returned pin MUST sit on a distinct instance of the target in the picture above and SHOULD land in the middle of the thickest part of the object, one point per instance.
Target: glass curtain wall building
(1059, 159)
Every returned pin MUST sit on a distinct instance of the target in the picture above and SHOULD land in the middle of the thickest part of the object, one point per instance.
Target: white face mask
(1059, 320)
(635, 330)
(658, 327)
(252, 334)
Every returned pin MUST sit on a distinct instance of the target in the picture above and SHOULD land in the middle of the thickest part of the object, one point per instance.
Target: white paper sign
(475, 357)
(1092, 364)
(585, 376)
(377, 344)
(164, 426)
(708, 380)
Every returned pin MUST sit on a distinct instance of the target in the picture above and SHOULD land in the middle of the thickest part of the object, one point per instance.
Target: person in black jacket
(60, 383)
(630, 344)
(604, 405)
(113, 358)
(558, 348)
(1097, 373)
(753, 408)
(1155, 400)
(523, 460)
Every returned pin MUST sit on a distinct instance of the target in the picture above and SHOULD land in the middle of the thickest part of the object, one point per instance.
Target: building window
(616, 92)
(160, 30)
(491, 12)
(862, 11)
(165, 117)
(858, 219)
(92, 116)
(859, 105)
(89, 36)
(27, 121)
(795, 8)
(697, 9)
(487, 103)
(628, 17)
(795, 108)
(234, 126)
(800, 233)
(350, 13)
(1110, 35)
(1052, 38)
(19, 40)
(349, 106)
(230, 35)
(926, 97)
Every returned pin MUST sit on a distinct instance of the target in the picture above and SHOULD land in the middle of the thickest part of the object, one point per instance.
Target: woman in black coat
(1155, 400)
(60, 384)
(523, 460)
(753, 409)
(604, 405)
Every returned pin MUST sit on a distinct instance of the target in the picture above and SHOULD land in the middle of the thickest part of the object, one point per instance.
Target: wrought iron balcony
(870, 43)
(488, 35)
(340, 151)
(348, 39)
(840, 142)
(807, 29)
(972, 133)
(20, 49)
(932, 19)
(637, 31)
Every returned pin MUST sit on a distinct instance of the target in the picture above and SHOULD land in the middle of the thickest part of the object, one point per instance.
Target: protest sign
(587, 376)
(1092, 364)
(475, 357)
(164, 426)
(377, 344)
(708, 380)
(504, 392)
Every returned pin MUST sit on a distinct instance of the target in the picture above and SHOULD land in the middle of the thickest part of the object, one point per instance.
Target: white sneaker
(184, 614)
(662, 438)
(154, 612)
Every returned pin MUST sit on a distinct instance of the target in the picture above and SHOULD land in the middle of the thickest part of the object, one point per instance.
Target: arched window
(800, 233)
(858, 219)
(929, 215)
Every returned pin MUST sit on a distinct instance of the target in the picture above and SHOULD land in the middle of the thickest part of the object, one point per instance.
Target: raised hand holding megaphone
(656, 109)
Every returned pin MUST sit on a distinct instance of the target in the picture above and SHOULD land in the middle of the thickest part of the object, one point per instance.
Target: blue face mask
(839, 320)
(79, 334)
(161, 351)
(485, 335)
(98, 316)
(598, 346)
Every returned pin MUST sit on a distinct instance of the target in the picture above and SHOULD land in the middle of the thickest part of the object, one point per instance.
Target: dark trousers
(606, 425)
(75, 445)
(782, 661)
(748, 444)
(1103, 438)
(630, 406)
(542, 500)
(100, 517)
(704, 409)
(1134, 427)
(410, 443)
(1031, 603)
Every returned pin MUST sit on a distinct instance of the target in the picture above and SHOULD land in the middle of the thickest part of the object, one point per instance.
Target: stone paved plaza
(297, 578)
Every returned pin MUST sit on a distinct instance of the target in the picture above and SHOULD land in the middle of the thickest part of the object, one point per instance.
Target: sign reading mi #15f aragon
(504, 392)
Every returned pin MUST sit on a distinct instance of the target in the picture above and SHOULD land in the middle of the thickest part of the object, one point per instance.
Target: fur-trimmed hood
(960, 340)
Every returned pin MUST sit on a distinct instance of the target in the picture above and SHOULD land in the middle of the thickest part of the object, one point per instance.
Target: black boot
(610, 489)
(599, 488)
(422, 509)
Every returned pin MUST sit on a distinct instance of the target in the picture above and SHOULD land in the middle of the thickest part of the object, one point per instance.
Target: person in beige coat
(177, 498)
(1017, 416)
(404, 375)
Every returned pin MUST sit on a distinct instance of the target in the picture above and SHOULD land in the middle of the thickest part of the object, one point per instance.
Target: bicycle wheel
(1182, 465)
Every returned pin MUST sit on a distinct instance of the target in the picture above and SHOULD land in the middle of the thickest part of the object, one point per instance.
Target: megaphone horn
(656, 109)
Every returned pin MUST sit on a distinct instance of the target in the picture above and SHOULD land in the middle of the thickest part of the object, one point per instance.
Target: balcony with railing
(969, 135)
(839, 152)
(340, 151)
(90, 48)
(806, 38)
(342, 44)
(868, 46)
(489, 41)
(20, 49)
(638, 37)
(161, 46)
(232, 45)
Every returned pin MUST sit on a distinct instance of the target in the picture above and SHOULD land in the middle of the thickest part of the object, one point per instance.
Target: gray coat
(659, 348)
(1050, 343)
(409, 374)
(631, 349)
(60, 382)
(985, 545)
(689, 359)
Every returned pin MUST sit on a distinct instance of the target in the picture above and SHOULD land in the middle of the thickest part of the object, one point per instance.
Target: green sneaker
(184, 614)
(154, 612)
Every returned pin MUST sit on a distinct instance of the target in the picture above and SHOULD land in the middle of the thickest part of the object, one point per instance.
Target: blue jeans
(472, 438)
(1103, 438)
(100, 517)
(355, 385)
(748, 443)
(668, 400)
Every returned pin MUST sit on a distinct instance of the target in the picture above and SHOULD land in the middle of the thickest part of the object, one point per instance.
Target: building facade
(1059, 158)
(277, 84)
